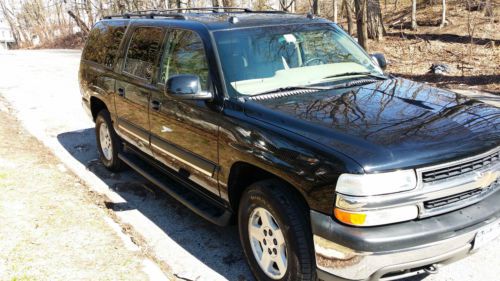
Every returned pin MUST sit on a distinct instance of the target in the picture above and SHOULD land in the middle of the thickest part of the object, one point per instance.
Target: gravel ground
(43, 89)
(50, 226)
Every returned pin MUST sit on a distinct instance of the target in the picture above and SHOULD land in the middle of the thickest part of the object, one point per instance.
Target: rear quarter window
(143, 51)
(103, 42)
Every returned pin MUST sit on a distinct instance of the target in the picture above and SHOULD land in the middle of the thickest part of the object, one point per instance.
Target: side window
(103, 42)
(184, 54)
(143, 50)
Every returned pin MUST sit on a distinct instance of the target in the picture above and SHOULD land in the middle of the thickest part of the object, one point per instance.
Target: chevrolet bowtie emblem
(485, 179)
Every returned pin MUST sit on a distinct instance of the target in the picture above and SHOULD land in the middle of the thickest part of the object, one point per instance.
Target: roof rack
(178, 13)
(150, 15)
(213, 9)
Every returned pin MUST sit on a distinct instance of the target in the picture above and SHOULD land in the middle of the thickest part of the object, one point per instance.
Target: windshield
(258, 60)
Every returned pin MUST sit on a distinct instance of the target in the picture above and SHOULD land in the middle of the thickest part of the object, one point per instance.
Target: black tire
(292, 215)
(114, 163)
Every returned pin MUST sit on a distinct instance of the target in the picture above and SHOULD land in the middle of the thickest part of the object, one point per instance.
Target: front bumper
(386, 252)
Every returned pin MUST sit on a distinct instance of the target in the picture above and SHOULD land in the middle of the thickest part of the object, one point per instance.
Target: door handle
(121, 92)
(155, 105)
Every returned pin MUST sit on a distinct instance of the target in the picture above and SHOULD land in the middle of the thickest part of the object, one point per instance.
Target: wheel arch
(243, 174)
(96, 105)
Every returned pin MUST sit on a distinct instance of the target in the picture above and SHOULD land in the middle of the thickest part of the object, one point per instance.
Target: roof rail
(213, 9)
(224, 9)
(150, 15)
(178, 13)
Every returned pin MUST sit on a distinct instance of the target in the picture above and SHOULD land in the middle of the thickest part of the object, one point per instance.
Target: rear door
(184, 132)
(133, 88)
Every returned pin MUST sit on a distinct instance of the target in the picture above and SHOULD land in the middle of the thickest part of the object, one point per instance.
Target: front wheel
(108, 142)
(275, 233)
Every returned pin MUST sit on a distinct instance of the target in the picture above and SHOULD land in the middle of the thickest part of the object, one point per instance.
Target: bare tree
(443, 14)
(81, 24)
(414, 25)
(217, 3)
(347, 6)
(335, 12)
(376, 28)
(287, 5)
(315, 7)
(362, 32)
(489, 10)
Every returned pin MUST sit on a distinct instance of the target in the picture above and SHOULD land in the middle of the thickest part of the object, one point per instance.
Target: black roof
(229, 19)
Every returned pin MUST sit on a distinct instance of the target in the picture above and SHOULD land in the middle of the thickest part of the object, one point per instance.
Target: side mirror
(380, 60)
(186, 87)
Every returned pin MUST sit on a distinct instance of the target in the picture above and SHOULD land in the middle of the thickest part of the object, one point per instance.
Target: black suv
(283, 124)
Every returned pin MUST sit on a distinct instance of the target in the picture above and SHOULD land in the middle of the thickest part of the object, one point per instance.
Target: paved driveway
(42, 87)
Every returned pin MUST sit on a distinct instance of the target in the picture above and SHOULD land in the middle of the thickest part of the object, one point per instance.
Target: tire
(108, 143)
(291, 215)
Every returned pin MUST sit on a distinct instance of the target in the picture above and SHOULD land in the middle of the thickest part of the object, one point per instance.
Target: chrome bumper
(349, 264)
(391, 251)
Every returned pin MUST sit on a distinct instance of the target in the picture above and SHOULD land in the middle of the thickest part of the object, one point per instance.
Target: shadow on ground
(444, 37)
(217, 247)
(475, 80)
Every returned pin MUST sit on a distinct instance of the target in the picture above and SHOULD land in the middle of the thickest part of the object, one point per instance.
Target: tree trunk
(349, 15)
(16, 33)
(217, 3)
(287, 5)
(362, 32)
(489, 10)
(443, 15)
(88, 10)
(81, 24)
(376, 28)
(315, 7)
(414, 15)
(182, 4)
(335, 12)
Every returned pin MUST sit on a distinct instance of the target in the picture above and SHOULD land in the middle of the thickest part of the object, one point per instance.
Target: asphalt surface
(42, 88)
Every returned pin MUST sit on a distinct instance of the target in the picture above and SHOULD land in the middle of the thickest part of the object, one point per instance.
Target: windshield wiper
(365, 73)
(292, 88)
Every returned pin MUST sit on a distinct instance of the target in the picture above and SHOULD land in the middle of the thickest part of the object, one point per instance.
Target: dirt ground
(411, 53)
(50, 226)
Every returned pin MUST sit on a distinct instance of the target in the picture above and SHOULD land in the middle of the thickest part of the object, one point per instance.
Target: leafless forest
(413, 34)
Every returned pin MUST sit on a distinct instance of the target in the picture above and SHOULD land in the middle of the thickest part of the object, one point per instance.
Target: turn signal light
(377, 217)
(350, 218)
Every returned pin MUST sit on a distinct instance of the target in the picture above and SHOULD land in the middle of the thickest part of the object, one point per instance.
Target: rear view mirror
(380, 60)
(187, 87)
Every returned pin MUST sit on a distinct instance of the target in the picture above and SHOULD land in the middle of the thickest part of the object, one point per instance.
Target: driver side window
(184, 54)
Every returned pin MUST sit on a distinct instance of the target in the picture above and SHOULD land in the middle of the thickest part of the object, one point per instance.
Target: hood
(391, 124)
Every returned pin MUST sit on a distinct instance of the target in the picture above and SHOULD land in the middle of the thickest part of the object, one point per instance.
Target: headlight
(377, 217)
(376, 184)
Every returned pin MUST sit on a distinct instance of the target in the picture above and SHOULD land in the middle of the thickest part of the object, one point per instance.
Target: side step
(180, 190)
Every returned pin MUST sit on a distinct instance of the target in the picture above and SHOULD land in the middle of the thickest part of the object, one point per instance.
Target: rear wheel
(275, 232)
(108, 142)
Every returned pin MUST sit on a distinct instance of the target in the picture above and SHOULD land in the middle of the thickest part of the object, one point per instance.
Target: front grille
(460, 169)
(460, 198)
(452, 199)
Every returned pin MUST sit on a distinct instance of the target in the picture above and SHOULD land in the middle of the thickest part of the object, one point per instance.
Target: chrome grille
(460, 169)
(452, 199)
(459, 198)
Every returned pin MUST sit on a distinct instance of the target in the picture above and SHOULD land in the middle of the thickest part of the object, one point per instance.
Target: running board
(204, 207)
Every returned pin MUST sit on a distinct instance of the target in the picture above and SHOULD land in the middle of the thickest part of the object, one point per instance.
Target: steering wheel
(314, 59)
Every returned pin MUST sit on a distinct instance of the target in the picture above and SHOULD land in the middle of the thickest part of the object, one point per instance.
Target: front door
(133, 89)
(184, 133)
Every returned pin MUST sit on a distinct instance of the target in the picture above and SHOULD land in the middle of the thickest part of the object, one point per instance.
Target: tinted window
(184, 54)
(143, 50)
(104, 41)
